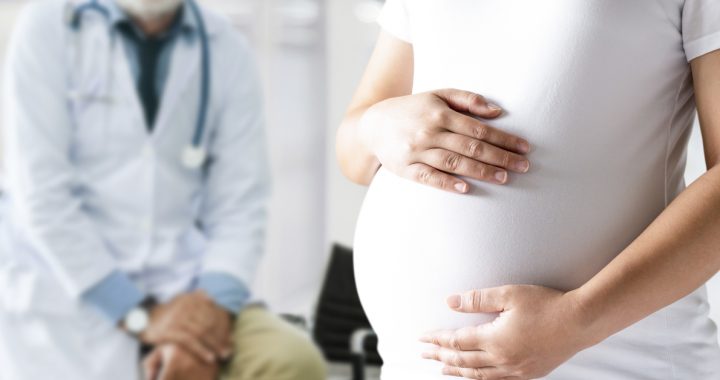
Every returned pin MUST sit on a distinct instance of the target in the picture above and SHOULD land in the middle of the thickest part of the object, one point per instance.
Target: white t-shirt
(602, 89)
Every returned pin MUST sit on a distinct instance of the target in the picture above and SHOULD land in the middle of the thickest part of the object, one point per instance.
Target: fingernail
(501, 176)
(426, 338)
(523, 147)
(522, 166)
(427, 355)
(461, 187)
(494, 107)
(454, 301)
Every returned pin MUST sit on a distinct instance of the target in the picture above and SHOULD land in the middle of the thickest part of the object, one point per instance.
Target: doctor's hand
(196, 323)
(433, 137)
(537, 329)
(172, 362)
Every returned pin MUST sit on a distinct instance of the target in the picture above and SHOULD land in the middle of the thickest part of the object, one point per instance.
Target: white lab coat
(90, 190)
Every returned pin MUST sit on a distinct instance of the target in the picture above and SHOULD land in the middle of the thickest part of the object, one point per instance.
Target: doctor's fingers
(455, 163)
(218, 342)
(215, 323)
(462, 359)
(194, 345)
(151, 365)
(482, 151)
(179, 364)
(175, 363)
(471, 127)
(205, 317)
(223, 339)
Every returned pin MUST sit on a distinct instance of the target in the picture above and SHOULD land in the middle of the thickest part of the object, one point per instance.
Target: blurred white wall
(350, 40)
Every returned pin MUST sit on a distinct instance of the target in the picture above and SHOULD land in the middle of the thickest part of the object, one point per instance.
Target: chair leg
(357, 350)
(358, 367)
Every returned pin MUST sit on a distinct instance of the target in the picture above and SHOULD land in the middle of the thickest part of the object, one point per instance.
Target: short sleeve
(394, 19)
(700, 27)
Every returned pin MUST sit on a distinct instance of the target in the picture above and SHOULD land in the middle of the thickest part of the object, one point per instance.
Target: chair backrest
(339, 312)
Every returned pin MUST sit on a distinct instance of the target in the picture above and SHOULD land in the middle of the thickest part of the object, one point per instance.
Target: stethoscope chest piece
(193, 157)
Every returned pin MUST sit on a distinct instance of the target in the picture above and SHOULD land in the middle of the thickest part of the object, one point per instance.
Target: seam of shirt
(677, 25)
(668, 135)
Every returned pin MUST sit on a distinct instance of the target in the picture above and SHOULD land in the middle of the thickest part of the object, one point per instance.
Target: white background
(312, 53)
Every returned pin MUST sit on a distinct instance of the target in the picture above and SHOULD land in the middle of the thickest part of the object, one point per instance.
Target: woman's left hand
(537, 329)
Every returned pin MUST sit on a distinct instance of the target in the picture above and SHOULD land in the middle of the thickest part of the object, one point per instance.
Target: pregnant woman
(527, 215)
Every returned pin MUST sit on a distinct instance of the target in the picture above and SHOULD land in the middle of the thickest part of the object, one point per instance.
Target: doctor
(134, 214)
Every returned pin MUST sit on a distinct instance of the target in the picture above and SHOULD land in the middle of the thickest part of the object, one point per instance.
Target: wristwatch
(138, 318)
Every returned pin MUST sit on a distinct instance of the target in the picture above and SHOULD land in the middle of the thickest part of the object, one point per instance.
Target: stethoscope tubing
(205, 79)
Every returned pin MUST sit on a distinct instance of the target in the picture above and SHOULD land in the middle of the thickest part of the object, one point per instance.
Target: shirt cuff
(702, 46)
(226, 290)
(114, 296)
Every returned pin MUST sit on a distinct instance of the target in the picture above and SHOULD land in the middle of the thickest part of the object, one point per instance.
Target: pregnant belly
(415, 245)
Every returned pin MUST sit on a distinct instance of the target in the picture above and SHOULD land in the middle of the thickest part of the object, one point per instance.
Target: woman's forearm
(356, 161)
(675, 255)
(388, 74)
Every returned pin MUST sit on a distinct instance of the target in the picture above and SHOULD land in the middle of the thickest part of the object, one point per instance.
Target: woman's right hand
(432, 138)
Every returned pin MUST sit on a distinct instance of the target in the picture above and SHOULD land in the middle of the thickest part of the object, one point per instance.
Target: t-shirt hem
(702, 46)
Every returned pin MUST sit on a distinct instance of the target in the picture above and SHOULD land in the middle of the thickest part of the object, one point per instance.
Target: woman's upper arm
(389, 73)
(706, 78)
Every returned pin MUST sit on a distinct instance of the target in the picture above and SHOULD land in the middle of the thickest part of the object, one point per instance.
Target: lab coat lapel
(184, 70)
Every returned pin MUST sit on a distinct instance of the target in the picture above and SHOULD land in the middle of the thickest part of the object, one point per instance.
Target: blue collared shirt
(184, 27)
(116, 295)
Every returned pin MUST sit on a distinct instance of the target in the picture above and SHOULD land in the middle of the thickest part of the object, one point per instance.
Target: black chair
(341, 328)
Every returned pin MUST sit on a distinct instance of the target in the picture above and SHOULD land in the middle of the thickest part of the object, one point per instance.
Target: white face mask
(149, 9)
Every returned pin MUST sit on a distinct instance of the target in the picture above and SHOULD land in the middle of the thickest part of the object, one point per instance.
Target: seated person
(131, 231)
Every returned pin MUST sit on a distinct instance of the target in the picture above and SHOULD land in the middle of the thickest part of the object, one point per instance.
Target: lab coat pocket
(92, 125)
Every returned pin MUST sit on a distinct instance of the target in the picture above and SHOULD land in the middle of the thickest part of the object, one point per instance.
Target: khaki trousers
(269, 348)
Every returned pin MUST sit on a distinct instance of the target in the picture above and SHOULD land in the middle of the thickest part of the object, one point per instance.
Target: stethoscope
(194, 155)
